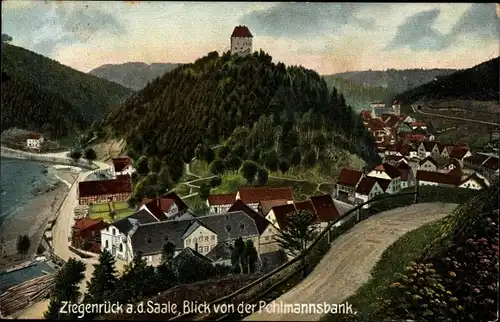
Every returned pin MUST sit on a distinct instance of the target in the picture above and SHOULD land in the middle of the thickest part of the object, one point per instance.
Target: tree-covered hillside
(359, 96)
(477, 83)
(133, 75)
(394, 79)
(285, 112)
(42, 86)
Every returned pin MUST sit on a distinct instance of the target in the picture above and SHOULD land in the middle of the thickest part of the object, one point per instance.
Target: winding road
(416, 110)
(352, 256)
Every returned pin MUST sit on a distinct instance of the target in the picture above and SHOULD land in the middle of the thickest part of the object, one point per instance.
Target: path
(348, 264)
(416, 110)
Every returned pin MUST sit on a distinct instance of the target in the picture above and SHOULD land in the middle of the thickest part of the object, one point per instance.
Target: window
(242, 226)
(121, 248)
(106, 244)
(148, 240)
(266, 238)
(228, 228)
(188, 241)
(206, 238)
(194, 240)
(114, 231)
(213, 237)
(206, 248)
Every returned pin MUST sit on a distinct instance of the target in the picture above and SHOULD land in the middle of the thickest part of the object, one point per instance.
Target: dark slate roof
(150, 238)
(430, 159)
(221, 251)
(384, 183)
(259, 220)
(143, 216)
(230, 225)
(189, 252)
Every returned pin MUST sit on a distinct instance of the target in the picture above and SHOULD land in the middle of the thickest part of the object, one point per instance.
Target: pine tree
(298, 232)
(103, 281)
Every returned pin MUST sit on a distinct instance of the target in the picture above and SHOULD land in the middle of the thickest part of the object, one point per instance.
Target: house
(122, 166)
(428, 164)
(86, 234)
(447, 165)
(221, 253)
(220, 203)
(435, 151)
(407, 119)
(34, 140)
(188, 254)
(387, 172)
(395, 159)
(408, 151)
(391, 122)
(253, 196)
(490, 166)
(264, 227)
(102, 191)
(324, 208)
(277, 215)
(170, 205)
(475, 181)
(407, 177)
(425, 149)
(460, 153)
(241, 41)
(475, 161)
(416, 125)
(379, 108)
(430, 178)
(367, 189)
(347, 182)
(266, 205)
(430, 137)
(403, 127)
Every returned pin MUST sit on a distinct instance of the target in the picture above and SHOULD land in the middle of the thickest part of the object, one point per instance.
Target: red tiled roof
(181, 205)
(366, 114)
(267, 205)
(392, 121)
(241, 32)
(384, 183)
(305, 205)
(428, 146)
(458, 152)
(255, 195)
(260, 221)
(154, 206)
(438, 177)
(122, 184)
(324, 208)
(222, 199)
(415, 137)
(491, 164)
(86, 223)
(34, 136)
(418, 124)
(365, 186)
(349, 177)
(281, 213)
(390, 170)
(404, 174)
(477, 159)
(121, 163)
(405, 150)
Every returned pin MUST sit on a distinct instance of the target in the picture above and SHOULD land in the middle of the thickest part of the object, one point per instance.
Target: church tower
(241, 41)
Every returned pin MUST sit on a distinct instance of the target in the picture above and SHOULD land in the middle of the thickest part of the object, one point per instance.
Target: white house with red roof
(220, 203)
(122, 166)
(367, 189)
(347, 182)
(241, 41)
(253, 196)
(34, 140)
(386, 171)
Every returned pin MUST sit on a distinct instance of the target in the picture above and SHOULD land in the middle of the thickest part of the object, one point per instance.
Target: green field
(102, 211)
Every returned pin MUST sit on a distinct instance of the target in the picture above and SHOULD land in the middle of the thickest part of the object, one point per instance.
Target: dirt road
(348, 264)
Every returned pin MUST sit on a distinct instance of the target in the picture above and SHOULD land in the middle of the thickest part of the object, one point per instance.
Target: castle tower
(241, 41)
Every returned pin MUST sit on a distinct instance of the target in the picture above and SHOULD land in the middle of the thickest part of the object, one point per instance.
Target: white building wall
(202, 237)
(241, 45)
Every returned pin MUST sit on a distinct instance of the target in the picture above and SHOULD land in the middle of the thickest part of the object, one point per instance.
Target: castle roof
(241, 32)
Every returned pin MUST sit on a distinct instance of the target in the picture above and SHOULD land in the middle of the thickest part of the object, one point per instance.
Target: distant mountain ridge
(395, 80)
(41, 94)
(133, 75)
(480, 83)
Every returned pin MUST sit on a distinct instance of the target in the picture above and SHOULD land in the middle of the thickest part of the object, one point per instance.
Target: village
(410, 157)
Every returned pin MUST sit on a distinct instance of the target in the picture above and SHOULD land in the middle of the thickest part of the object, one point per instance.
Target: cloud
(302, 20)
(417, 33)
(480, 21)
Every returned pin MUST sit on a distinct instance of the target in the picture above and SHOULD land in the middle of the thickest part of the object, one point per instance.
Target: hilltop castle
(241, 41)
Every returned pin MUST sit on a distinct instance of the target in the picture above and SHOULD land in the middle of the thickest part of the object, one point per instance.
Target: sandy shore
(34, 215)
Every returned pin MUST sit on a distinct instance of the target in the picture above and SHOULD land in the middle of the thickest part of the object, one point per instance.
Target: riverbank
(53, 158)
(32, 217)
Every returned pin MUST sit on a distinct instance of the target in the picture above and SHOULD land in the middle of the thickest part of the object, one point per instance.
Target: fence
(304, 262)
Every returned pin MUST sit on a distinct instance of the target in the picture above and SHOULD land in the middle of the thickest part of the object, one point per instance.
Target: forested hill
(284, 111)
(357, 95)
(395, 80)
(42, 92)
(480, 82)
(133, 75)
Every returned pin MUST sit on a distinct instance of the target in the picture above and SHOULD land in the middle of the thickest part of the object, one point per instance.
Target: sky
(327, 37)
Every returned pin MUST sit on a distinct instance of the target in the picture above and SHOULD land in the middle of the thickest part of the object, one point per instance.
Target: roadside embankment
(49, 158)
